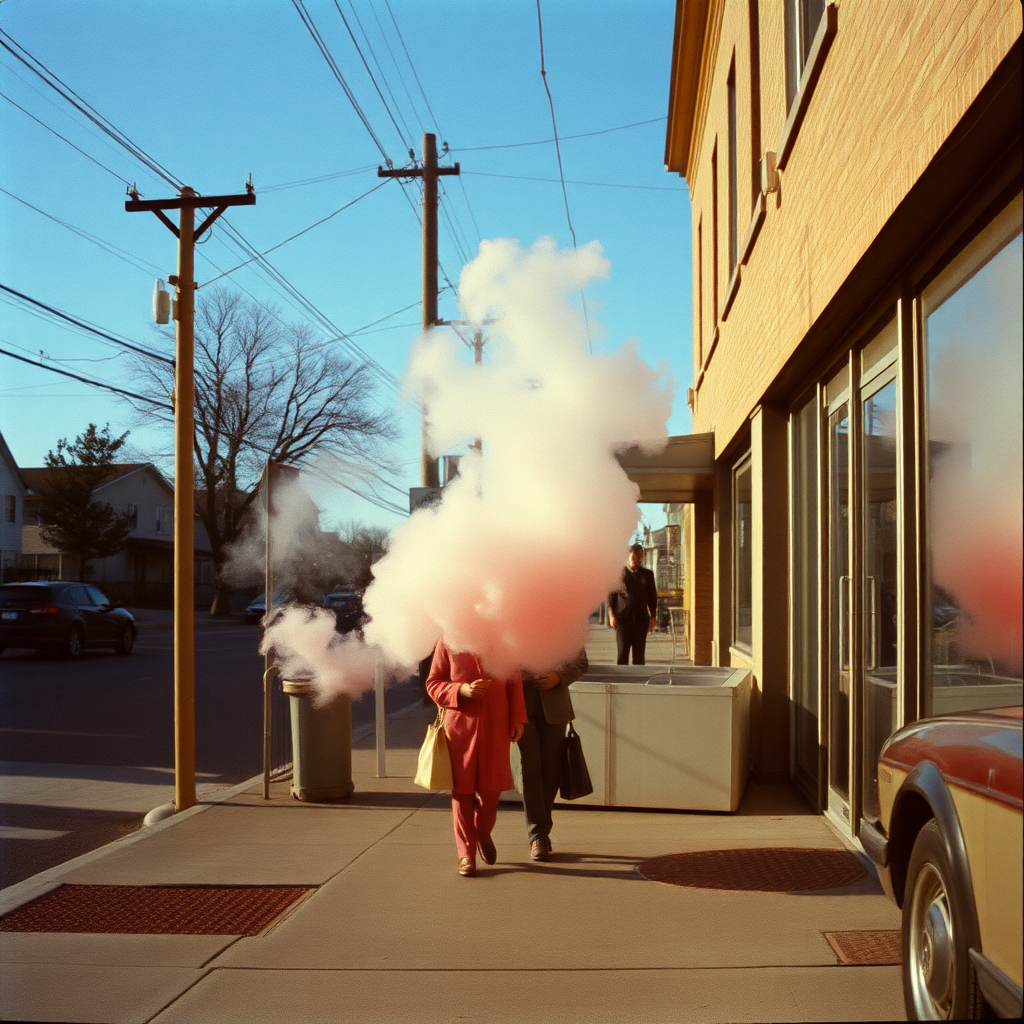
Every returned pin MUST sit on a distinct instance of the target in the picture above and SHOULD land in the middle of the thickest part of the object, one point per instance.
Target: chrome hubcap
(931, 946)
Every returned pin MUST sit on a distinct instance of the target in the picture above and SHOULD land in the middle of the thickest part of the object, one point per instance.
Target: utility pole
(184, 487)
(429, 172)
(477, 345)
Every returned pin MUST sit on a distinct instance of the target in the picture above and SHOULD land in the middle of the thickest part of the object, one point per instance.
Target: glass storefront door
(839, 688)
(880, 597)
(862, 588)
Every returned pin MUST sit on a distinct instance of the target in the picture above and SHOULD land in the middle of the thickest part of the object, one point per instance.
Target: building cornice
(698, 27)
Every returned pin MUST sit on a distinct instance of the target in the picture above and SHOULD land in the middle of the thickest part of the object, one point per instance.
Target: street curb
(28, 889)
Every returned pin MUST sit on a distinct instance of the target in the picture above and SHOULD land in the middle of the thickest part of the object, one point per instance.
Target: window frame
(807, 79)
(743, 465)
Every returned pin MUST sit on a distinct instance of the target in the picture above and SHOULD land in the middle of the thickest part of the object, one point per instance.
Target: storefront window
(742, 555)
(973, 322)
(880, 592)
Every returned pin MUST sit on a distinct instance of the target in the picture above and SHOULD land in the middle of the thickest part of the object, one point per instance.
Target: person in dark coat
(633, 608)
(549, 711)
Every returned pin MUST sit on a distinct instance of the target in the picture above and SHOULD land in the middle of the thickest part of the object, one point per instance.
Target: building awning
(684, 467)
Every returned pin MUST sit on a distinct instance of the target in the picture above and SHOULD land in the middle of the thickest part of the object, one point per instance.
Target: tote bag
(575, 779)
(434, 767)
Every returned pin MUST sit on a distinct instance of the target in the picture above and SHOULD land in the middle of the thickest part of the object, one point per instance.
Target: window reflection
(743, 553)
(880, 591)
(974, 327)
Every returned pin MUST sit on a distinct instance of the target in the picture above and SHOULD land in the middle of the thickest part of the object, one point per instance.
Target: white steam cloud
(531, 536)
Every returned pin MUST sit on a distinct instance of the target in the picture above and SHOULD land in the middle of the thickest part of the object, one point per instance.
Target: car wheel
(126, 641)
(73, 644)
(939, 982)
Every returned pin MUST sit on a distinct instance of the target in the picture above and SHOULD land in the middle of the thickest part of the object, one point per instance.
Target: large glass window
(973, 323)
(802, 19)
(806, 558)
(880, 590)
(743, 555)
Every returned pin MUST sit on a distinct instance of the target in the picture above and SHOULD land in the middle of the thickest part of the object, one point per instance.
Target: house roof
(35, 477)
(5, 454)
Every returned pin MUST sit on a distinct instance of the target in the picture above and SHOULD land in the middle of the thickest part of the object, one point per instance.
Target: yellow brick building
(855, 176)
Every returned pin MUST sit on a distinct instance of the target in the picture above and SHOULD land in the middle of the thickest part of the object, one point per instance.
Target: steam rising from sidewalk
(531, 536)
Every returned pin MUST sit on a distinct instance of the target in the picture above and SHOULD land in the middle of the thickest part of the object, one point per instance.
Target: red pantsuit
(479, 738)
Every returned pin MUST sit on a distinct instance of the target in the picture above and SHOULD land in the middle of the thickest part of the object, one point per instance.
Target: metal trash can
(321, 744)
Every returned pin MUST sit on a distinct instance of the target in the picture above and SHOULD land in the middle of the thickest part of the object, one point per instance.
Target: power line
(87, 327)
(39, 69)
(564, 138)
(290, 238)
(307, 20)
(315, 181)
(63, 139)
(352, 36)
(558, 153)
(401, 39)
(570, 181)
(108, 247)
(85, 380)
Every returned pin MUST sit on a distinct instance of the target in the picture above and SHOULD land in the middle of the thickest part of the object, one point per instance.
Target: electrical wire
(322, 220)
(307, 20)
(558, 153)
(564, 138)
(264, 189)
(570, 181)
(102, 166)
(88, 327)
(39, 69)
(86, 380)
(355, 43)
(113, 250)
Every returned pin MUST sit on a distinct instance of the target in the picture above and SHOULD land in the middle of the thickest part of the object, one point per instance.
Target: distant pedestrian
(549, 711)
(633, 608)
(483, 717)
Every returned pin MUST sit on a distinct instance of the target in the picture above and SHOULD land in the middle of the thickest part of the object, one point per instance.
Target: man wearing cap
(633, 608)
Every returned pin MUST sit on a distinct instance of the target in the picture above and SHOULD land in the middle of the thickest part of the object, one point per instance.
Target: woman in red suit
(484, 717)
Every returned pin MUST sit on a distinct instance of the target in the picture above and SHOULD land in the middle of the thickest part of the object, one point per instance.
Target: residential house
(141, 574)
(855, 176)
(12, 491)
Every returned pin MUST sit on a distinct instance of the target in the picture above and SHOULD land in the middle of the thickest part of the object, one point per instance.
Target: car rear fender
(924, 795)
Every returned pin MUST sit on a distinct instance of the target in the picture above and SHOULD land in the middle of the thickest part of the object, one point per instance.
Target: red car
(948, 850)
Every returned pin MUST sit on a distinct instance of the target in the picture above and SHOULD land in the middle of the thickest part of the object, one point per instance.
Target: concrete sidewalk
(392, 933)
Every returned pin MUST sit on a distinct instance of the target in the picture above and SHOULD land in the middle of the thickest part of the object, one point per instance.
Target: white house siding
(12, 514)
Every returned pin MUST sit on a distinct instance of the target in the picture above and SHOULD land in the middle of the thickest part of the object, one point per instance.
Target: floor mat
(760, 869)
(866, 948)
(154, 910)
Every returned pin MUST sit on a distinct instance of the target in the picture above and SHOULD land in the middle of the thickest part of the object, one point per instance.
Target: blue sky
(215, 91)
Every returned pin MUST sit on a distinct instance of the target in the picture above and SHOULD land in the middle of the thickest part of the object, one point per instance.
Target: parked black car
(348, 610)
(63, 618)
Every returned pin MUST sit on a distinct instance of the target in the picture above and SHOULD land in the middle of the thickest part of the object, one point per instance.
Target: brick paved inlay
(761, 869)
(866, 948)
(154, 910)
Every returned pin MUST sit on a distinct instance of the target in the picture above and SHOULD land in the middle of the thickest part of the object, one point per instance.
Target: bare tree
(264, 390)
(367, 544)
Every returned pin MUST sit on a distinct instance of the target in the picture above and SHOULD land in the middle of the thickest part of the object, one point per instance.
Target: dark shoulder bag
(575, 780)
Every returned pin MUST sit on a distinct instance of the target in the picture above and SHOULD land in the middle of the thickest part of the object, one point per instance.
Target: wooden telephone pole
(429, 172)
(184, 486)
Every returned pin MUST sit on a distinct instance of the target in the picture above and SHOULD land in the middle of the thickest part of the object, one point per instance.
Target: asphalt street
(87, 746)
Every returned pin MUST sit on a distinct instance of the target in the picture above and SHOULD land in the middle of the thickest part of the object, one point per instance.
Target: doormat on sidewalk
(761, 869)
(866, 948)
(155, 910)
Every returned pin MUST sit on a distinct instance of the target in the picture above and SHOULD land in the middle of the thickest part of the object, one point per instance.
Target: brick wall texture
(896, 81)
